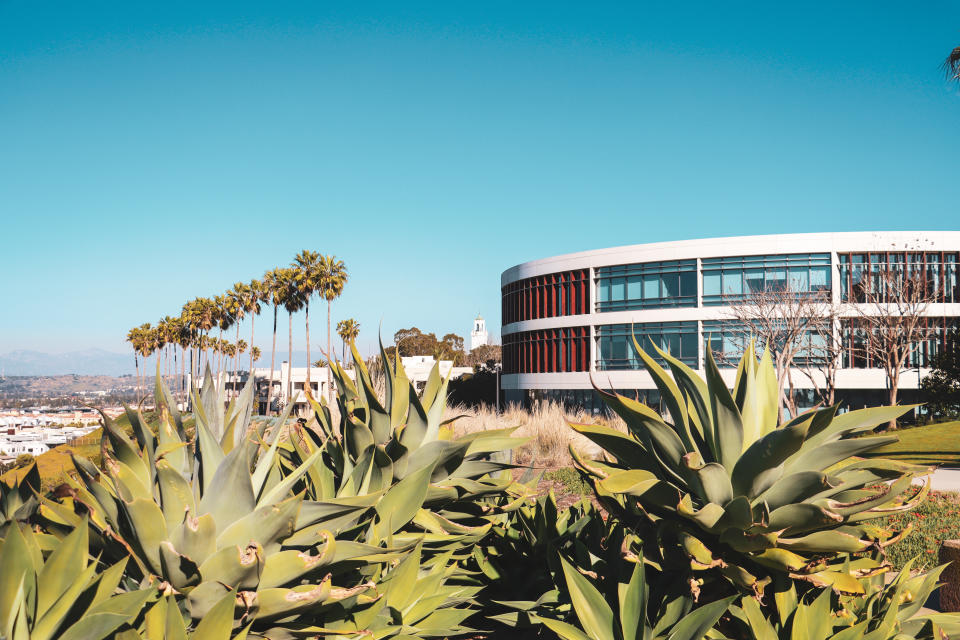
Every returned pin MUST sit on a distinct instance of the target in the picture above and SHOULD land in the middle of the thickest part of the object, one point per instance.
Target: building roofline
(739, 245)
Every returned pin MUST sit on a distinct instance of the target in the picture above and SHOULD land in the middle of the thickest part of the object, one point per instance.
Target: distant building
(274, 397)
(418, 369)
(479, 336)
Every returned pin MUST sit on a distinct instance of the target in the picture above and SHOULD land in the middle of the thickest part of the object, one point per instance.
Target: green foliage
(278, 530)
(520, 560)
(49, 588)
(940, 389)
(737, 498)
(886, 612)
(627, 612)
(570, 479)
(18, 496)
(413, 342)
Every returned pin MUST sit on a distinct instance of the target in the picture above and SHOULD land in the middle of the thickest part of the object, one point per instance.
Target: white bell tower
(478, 337)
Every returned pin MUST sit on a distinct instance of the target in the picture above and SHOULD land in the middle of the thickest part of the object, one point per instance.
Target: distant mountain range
(86, 362)
(106, 363)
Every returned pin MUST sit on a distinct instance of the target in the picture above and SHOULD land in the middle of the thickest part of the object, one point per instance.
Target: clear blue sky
(151, 154)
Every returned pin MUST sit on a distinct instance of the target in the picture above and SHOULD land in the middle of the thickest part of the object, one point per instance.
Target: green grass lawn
(935, 520)
(937, 444)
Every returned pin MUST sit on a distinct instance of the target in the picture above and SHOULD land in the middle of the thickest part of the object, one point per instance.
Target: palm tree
(223, 320)
(135, 338)
(236, 297)
(332, 276)
(167, 330)
(158, 342)
(273, 290)
(292, 302)
(305, 272)
(145, 348)
(202, 318)
(348, 330)
(952, 65)
(251, 306)
(188, 340)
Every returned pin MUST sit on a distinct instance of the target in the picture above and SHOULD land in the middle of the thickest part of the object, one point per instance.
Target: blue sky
(151, 153)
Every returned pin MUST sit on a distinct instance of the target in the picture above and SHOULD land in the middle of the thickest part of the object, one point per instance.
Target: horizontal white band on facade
(847, 379)
(853, 242)
(682, 314)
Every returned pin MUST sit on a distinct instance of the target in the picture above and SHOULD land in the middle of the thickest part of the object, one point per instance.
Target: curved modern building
(570, 317)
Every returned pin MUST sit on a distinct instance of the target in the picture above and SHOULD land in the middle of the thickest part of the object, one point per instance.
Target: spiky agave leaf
(216, 514)
(891, 611)
(59, 593)
(446, 491)
(721, 485)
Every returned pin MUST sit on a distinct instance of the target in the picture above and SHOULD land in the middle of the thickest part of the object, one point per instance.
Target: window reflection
(649, 285)
(734, 279)
(615, 350)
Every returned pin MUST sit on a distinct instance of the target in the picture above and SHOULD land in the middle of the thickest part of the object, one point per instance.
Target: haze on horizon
(153, 154)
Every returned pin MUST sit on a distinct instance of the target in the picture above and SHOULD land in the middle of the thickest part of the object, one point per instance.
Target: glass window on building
(866, 277)
(648, 285)
(731, 280)
(615, 350)
(728, 339)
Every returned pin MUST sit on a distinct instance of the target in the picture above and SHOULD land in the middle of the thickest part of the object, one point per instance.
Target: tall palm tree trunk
(236, 363)
(136, 364)
(253, 319)
(329, 369)
(273, 353)
(290, 358)
(309, 362)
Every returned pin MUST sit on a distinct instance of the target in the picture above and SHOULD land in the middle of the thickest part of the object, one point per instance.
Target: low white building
(418, 369)
(285, 381)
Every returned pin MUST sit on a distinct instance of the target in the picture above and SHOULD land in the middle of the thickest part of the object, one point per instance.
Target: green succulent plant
(203, 516)
(50, 588)
(887, 612)
(520, 560)
(381, 444)
(736, 498)
(18, 496)
(627, 614)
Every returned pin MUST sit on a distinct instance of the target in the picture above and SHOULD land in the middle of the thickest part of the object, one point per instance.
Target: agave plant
(18, 496)
(520, 560)
(627, 614)
(890, 611)
(49, 588)
(205, 516)
(381, 444)
(726, 491)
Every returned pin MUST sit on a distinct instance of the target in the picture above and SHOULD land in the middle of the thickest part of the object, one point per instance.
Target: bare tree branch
(891, 321)
(783, 321)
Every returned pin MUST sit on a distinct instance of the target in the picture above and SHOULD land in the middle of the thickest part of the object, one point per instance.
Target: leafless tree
(825, 352)
(782, 320)
(890, 322)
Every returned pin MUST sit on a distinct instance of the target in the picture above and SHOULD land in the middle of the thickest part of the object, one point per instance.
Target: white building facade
(570, 317)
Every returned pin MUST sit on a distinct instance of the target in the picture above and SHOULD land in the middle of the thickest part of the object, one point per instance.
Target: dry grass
(547, 425)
